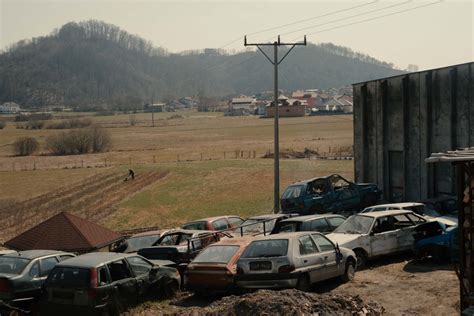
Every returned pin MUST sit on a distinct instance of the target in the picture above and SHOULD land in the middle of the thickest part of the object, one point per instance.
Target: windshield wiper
(271, 255)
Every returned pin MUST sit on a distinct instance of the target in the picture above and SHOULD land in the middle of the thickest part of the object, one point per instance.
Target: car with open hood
(22, 274)
(214, 269)
(105, 283)
(293, 260)
(375, 234)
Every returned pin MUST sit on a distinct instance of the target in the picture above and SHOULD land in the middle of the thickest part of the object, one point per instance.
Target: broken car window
(293, 192)
(356, 224)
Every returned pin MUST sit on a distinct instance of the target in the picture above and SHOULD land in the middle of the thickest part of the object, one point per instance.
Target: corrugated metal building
(399, 121)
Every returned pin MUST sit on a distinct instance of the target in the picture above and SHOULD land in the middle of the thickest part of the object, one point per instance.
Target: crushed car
(260, 224)
(331, 194)
(293, 260)
(214, 269)
(436, 240)
(22, 275)
(214, 223)
(139, 241)
(102, 283)
(418, 208)
(325, 223)
(379, 233)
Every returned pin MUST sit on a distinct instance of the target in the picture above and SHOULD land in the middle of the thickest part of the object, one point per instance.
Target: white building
(10, 107)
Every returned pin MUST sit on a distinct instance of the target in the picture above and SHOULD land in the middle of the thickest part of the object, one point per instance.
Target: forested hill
(93, 64)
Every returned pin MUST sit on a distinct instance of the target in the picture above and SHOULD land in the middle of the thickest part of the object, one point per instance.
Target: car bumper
(266, 280)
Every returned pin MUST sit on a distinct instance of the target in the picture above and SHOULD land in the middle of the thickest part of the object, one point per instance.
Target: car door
(124, 284)
(141, 269)
(345, 193)
(327, 251)
(311, 262)
(383, 237)
(406, 224)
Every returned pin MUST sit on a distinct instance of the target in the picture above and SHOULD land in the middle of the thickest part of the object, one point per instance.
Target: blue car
(434, 240)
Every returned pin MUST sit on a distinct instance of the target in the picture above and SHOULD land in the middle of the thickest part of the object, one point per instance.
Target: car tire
(303, 283)
(349, 272)
(361, 258)
(171, 289)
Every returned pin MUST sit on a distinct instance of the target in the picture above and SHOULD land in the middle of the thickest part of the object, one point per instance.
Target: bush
(33, 117)
(2, 124)
(25, 146)
(70, 123)
(94, 139)
(34, 125)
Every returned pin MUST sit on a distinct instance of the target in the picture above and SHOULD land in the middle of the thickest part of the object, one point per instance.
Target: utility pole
(276, 155)
(152, 114)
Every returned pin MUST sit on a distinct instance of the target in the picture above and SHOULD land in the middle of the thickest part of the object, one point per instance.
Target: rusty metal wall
(399, 121)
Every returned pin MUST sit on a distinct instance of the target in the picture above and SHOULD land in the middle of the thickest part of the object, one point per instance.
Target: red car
(214, 223)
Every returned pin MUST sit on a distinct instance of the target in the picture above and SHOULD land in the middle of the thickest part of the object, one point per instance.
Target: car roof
(268, 216)
(94, 259)
(149, 233)
(211, 219)
(244, 240)
(33, 254)
(400, 205)
(385, 213)
(309, 217)
(284, 235)
(312, 179)
(187, 231)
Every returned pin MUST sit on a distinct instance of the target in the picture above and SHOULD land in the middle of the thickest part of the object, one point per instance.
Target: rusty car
(293, 260)
(214, 223)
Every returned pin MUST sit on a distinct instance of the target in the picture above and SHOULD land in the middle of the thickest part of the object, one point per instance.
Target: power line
(349, 17)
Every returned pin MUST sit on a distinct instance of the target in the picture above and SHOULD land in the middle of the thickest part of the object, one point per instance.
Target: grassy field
(192, 188)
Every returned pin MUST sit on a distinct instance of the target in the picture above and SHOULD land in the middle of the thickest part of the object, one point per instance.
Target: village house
(10, 107)
(287, 108)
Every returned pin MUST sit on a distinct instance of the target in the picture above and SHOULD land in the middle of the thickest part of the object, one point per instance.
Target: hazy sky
(432, 36)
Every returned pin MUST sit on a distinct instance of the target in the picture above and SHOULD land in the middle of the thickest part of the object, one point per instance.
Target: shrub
(25, 146)
(94, 139)
(70, 123)
(33, 117)
(35, 125)
(2, 124)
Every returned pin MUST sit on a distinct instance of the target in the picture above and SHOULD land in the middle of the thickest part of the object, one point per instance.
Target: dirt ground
(391, 286)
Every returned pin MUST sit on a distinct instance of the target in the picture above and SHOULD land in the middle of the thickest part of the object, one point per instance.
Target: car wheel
(171, 289)
(349, 272)
(361, 258)
(303, 283)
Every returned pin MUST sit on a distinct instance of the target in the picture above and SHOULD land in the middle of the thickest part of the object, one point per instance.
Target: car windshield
(267, 249)
(356, 224)
(13, 265)
(69, 277)
(283, 227)
(293, 192)
(250, 226)
(136, 243)
(217, 254)
(196, 226)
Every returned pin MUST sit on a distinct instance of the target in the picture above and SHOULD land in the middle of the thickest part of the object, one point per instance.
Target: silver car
(293, 260)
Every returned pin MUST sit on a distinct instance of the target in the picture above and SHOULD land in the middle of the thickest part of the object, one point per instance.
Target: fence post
(105, 160)
(34, 165)
(201, 156)
(154, 160)
(82, 163)
(224, 154)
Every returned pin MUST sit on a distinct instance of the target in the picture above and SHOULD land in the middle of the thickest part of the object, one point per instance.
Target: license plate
(261, 265)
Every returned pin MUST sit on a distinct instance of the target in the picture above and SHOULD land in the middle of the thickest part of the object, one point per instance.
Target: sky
(430, 33)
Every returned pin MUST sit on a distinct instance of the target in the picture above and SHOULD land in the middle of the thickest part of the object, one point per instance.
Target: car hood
(342, 239)
(446, 220)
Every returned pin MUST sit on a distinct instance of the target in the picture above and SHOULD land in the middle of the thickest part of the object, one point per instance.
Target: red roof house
(65, 232)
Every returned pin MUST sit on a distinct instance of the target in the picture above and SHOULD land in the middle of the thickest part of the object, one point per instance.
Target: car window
(70, 277)
(267, 248)
(65, 257)
(318, 187)
(285, 227)
(356, 224)
(385, 224)
(119, 270)
(13, 265)
(319, 225)
(168, 240)
(195, 226)
(235, 221)
(139, 266)
(307, 245)
(217, 254)
(34, 271)
(136, 243)
(220, 224)
(338, 182)
(415, 219)
(293, 192)
(103, 276)
(47, 264)
(335, 221)
(323, 243)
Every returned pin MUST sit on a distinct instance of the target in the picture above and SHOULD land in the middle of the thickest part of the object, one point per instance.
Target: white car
(375, 234)
(418, 208)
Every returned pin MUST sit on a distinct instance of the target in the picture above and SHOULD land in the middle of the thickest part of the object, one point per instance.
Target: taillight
(240, 270)
(4, 286)
(286, 269)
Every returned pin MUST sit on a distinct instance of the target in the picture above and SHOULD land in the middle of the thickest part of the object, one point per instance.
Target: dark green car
(331, 194)
(105, 283)
(22, 275)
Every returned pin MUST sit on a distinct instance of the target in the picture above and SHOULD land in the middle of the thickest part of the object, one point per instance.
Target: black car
(105, 283)
(23, 273)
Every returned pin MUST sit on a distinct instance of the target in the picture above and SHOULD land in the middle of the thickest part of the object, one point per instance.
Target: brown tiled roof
(65, 232)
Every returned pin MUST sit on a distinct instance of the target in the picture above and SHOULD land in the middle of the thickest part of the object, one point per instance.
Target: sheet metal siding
(411, 116)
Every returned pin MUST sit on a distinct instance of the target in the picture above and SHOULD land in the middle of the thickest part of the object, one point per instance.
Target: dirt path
(94, 198)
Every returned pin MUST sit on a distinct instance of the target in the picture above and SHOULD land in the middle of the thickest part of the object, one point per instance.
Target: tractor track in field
(94, 198)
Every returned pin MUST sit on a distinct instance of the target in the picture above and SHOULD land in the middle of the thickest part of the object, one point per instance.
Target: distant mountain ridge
(93, 64)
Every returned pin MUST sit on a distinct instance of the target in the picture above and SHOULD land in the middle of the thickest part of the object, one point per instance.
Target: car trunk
(209, 275)
(70, 286)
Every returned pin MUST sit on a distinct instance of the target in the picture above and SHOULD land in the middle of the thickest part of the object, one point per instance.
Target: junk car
(23, 273)
(214, 223)
(331, 194)
(418, 208)
(106, 283)
(377, 233)
(319, 223)
(139, 241)
(293, 260)
(214, 269)
(436, 240)
(260, 224)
